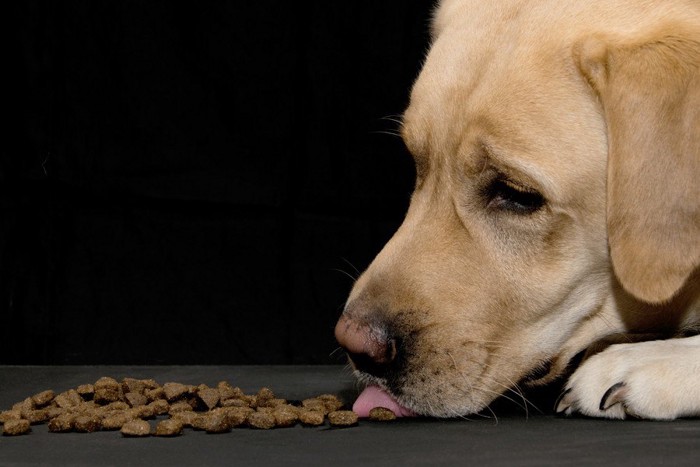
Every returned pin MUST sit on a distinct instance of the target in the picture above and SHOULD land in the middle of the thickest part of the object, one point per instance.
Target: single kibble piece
(252, 401)
(209, 397)
(68, 399)
(381, 414)
(233, 403)
(261, 420)
(61, 424)
(36, 416)
(342, 418)
(236, 416)
(136, 428)
(85, 407)
(54, 411)
(43, 398)
(285, 415)
(331, 402)
(174, 391)
(170, 427)
(25, 405)
(133, 385)
(160, 406)
(271, 402)
(201, 421)
(143, 411)
(217, 423)
(135, 399)
(311, 417)
(107, 390)
(116, 421)
(186, 417)
(314, 404)
(8, 415)
(181, 406)
(86, 423)
(264, 394)
(150, 384)
(155, 394)
(226, 391)
(86, 391)
(16, 427)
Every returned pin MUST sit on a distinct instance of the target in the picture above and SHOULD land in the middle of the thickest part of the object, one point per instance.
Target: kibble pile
(128, 405)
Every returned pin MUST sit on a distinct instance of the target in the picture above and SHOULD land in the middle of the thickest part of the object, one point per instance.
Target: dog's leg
(653, 380)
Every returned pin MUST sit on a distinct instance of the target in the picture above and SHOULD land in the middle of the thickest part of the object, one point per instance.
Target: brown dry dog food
(125, 405)
(217, 422)
(169, 427)
(185, 417)
(180, 406)
(174, 391)
(106, 390)
(62, 424)
(285, 415)
(116, 421)
(87, 423)
(331, 402)
(10, 415)
(43, 398)
(315, 404)
(311, 417)
(86, 391)
(136, 428)
(263, 420)
(135, 399)
(237, 416)
(16, 427)
(208, 397)
(342, 418)
(381, 414)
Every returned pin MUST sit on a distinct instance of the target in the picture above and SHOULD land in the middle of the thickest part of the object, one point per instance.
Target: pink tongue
(374, 396)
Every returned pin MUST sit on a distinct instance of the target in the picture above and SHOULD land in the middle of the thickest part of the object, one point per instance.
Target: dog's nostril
(369, 348)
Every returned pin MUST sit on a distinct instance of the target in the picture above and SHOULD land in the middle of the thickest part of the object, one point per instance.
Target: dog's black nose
(370, 348)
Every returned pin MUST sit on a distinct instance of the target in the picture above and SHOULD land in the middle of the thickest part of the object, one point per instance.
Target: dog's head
(557, 150)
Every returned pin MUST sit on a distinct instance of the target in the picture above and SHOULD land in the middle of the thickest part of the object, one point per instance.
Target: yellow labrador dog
(557, 204)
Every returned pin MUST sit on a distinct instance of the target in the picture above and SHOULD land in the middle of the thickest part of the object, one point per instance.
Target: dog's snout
(369, 346)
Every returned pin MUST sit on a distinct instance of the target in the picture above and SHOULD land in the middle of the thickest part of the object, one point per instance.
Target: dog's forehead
(477, 79)
(495, 75)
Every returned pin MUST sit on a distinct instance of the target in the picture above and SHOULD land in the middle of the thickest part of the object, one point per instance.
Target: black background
(195, 182)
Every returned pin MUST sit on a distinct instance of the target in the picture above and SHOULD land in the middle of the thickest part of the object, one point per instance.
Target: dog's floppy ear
(650, 95)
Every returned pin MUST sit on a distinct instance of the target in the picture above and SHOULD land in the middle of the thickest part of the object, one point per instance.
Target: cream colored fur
(595, 105)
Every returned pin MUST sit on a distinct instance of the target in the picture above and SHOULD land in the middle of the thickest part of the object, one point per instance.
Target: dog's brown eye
(502, 194)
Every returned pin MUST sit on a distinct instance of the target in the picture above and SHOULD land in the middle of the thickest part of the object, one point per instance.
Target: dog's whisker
(516, 389)
(345, 273)
(398, 119)
(335, 353)
(386, 132)
(357, 271)
(502, 394)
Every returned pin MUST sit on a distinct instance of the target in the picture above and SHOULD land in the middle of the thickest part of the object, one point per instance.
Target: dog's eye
(502, 194)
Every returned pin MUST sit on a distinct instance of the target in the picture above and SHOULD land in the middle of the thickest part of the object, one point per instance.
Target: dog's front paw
(653, 380)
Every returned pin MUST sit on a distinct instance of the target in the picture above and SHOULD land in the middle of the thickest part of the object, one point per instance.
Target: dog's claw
(564, 402)
(614, 395)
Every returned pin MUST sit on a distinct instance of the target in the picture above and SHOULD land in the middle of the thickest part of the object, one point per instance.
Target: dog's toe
(614, 395)
(564, 403)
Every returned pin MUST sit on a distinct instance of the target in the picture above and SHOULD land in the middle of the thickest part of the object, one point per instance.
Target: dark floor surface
(538, 440)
